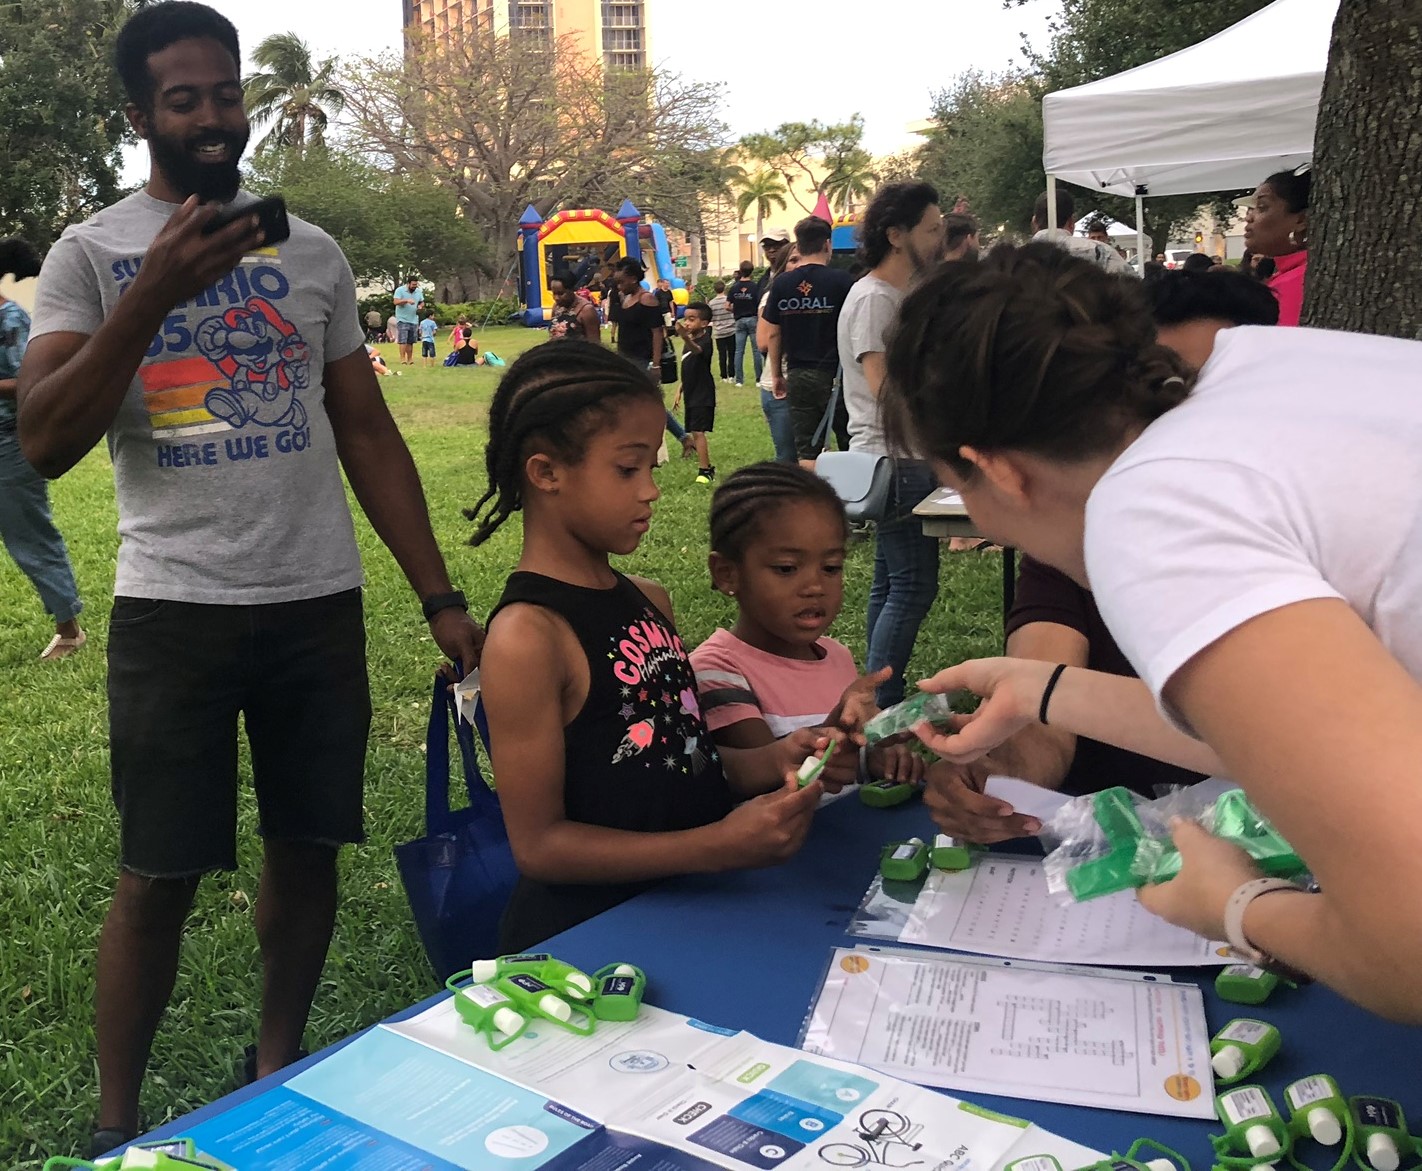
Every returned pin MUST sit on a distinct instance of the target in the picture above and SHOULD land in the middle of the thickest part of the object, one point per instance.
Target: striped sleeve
(724, 692)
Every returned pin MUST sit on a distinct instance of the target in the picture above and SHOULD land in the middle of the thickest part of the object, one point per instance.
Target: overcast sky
(881, 59)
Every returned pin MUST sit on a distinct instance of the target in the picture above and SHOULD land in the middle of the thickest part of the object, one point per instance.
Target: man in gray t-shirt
(864, 323)
(1064, 235)
(900, 238)
(230, 378)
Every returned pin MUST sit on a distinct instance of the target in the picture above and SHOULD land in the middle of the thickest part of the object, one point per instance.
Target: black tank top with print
(637, 756)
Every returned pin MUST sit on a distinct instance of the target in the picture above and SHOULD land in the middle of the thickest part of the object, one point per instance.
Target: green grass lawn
(57, 827)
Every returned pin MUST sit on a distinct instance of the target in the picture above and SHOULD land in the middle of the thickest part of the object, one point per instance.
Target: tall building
(616, 30)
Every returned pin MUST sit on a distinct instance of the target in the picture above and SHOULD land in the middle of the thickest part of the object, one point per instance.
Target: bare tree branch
(505, 122)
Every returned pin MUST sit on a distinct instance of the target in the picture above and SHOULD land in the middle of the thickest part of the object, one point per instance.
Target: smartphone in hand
(270, 213)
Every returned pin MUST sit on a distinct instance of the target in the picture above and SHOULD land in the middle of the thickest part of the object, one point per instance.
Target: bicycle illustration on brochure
(886, 1139)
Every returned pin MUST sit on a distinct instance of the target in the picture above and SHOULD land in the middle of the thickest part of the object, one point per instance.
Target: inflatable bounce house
(844, 242)
(576, 243)
(844, 239)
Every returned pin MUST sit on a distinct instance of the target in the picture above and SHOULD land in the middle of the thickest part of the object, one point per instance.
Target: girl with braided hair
(775, 684)
(607, 776)
(1251, 529)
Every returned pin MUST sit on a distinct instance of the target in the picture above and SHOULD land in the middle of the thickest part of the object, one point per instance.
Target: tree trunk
(693, 258)
(1154, 243)
(1365, 214)
(703, 261)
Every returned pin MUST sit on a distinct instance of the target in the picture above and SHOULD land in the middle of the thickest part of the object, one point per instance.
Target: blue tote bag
(459, 876)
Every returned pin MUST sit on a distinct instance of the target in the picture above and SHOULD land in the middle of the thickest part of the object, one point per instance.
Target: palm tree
(765, 191)
(852, 178)
(291, 92)
(725, 173)
(723, 176)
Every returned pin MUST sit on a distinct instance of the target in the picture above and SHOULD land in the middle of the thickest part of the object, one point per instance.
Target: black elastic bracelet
(1047, 691)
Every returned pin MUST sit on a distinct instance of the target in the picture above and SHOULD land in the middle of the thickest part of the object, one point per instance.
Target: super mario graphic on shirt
(663, 718)
(223, 379)
(266, 362)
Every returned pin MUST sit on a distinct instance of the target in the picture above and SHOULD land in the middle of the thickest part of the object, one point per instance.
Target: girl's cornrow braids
(749, 493)
(548, 394)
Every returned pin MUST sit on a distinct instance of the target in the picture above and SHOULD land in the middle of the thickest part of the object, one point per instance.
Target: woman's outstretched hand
(1011, 694)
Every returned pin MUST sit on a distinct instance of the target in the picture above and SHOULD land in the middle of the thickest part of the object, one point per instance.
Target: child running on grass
(606, 773)
(698, 386)
(778, 537)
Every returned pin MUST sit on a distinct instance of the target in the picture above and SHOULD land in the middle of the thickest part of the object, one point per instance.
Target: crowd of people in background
(790, 324)
(811, 391)
(583, 302)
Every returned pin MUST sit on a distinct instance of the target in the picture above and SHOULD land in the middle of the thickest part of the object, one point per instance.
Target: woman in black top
(665, 303)
(641, 334)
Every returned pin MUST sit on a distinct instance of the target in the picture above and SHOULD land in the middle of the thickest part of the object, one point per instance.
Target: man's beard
(210, 182)
(921, 262)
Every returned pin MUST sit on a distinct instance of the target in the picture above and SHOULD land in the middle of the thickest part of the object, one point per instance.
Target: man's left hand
(895, 762)
(458, 636)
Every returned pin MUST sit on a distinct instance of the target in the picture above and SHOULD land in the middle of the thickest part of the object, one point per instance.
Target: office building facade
(615, 30)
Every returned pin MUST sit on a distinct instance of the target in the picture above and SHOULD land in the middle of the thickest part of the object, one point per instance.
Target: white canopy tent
(1220, 115)
(1116, 229)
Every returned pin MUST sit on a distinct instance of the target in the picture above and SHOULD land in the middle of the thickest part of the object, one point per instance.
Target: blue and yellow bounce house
(576, 242)
(844, 239)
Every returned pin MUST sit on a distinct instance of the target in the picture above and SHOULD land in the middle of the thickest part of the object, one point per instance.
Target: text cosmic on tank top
(647, 646)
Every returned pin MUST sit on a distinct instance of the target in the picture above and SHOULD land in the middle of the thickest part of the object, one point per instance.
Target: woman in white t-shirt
(1253, 536)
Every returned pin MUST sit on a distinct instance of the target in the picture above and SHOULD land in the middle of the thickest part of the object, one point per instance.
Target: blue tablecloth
(747, 950)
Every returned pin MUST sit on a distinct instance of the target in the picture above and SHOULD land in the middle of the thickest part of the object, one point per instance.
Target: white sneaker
(61, 647)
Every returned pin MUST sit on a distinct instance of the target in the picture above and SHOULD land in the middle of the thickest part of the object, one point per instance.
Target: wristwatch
(1238, 903)
(433, 604)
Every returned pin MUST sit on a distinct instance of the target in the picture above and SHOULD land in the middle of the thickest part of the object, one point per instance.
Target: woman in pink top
(1277, 227)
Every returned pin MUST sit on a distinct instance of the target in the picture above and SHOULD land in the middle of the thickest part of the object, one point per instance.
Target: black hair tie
(1047, 692)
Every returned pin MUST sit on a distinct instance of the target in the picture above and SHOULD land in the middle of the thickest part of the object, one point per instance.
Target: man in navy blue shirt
(803, 314)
